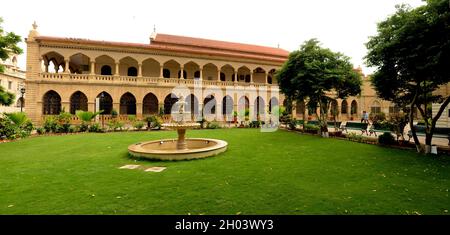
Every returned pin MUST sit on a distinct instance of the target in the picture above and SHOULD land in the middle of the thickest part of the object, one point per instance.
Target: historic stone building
(139, 79)
(13, 81)
(215, 78)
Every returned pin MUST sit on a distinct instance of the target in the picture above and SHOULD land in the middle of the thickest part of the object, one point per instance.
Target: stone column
(92, 67)
(56, 67)
(139, 110)
(116, 106)
(251, 76)
(236, 77)
(116, 72)
(201, 74)
(182, 72)
(161, 69)
(139, 70)
(66, 66)
(65, 105)
(267, 77)
(218, 75)
(46, 66)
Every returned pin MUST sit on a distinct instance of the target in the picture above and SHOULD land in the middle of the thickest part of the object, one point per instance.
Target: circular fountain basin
(167, 149)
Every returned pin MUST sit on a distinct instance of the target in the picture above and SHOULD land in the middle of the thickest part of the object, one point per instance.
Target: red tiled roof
(215, 44)
(166, 42)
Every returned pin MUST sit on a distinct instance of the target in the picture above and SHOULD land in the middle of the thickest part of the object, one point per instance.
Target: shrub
(115, 124)
(138, 125)
(153, 122)
(386, 138)
(255, 124)
(95, 128)
(40, 130)
(213, 125)
(15, 125)
(83, 127)
(114, 113)
(50, 124)
(355, 137)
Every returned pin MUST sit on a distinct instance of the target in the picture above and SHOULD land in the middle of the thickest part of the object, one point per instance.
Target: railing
(115, 79)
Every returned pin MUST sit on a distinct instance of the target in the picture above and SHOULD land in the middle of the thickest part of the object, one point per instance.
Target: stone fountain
(181, 148)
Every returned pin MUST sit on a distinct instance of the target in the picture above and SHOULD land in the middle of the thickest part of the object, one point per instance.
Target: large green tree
(320, 76)
(8, 45)
(411, 53)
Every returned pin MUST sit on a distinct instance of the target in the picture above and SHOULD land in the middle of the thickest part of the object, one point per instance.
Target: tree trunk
(411, 125)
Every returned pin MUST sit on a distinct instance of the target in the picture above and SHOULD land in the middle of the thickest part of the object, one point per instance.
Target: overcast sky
(343, 26)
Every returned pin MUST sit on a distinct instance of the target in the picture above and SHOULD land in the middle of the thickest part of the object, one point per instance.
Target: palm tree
(19, 118)
(86, 116)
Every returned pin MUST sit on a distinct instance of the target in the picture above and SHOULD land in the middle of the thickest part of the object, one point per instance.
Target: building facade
(13, 80)
(217, 79)
(143, 79)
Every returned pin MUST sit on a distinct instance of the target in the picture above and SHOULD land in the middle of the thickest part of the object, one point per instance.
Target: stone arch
(51, 103)
(172, 66)
(209, 105)
(243, 74)
(105, 65)
(53, 61)
(227, 105)
(78, 101)
(150, 104)
(273, 102)
(300, 107)
(191, 68)
(106, 102)
(210, 72)
(228, 71)
(375, 107)
(243, 104)
(259, 106)
(344, 107)
(128, 66)
(259, 75)
(354, 107)
(192, 105)
(151, 68)
(79, 63)
(128, 104)
(169, 103)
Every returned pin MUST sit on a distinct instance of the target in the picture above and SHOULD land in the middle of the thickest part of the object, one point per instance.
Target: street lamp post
(22, 92)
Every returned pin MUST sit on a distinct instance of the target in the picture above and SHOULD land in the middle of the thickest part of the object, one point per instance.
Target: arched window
(376, 107)
(354, 107)
(209, 105)
(273, 103)
(106, 70)
(166, 73)
(227, 105)
(222, 77)
(247, 78)
(300, 107)
(169, 102)
(269, 79)
(259, 106)
(106, 102)
(78, 101)
(127, 104)
(132, 72)
(197, 74)
(233, 78)
(394, 108)
(51, 103)
(344, 107)
(150, 104)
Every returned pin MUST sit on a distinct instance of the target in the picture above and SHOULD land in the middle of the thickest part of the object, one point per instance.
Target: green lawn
(261, 173)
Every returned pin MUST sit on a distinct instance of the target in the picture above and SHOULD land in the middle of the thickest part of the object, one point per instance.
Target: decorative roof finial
(34, 25)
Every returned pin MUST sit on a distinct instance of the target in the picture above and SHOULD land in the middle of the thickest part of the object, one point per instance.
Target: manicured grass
(261, 173)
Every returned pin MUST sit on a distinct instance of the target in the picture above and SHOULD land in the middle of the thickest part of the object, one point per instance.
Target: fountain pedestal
(181, 142)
